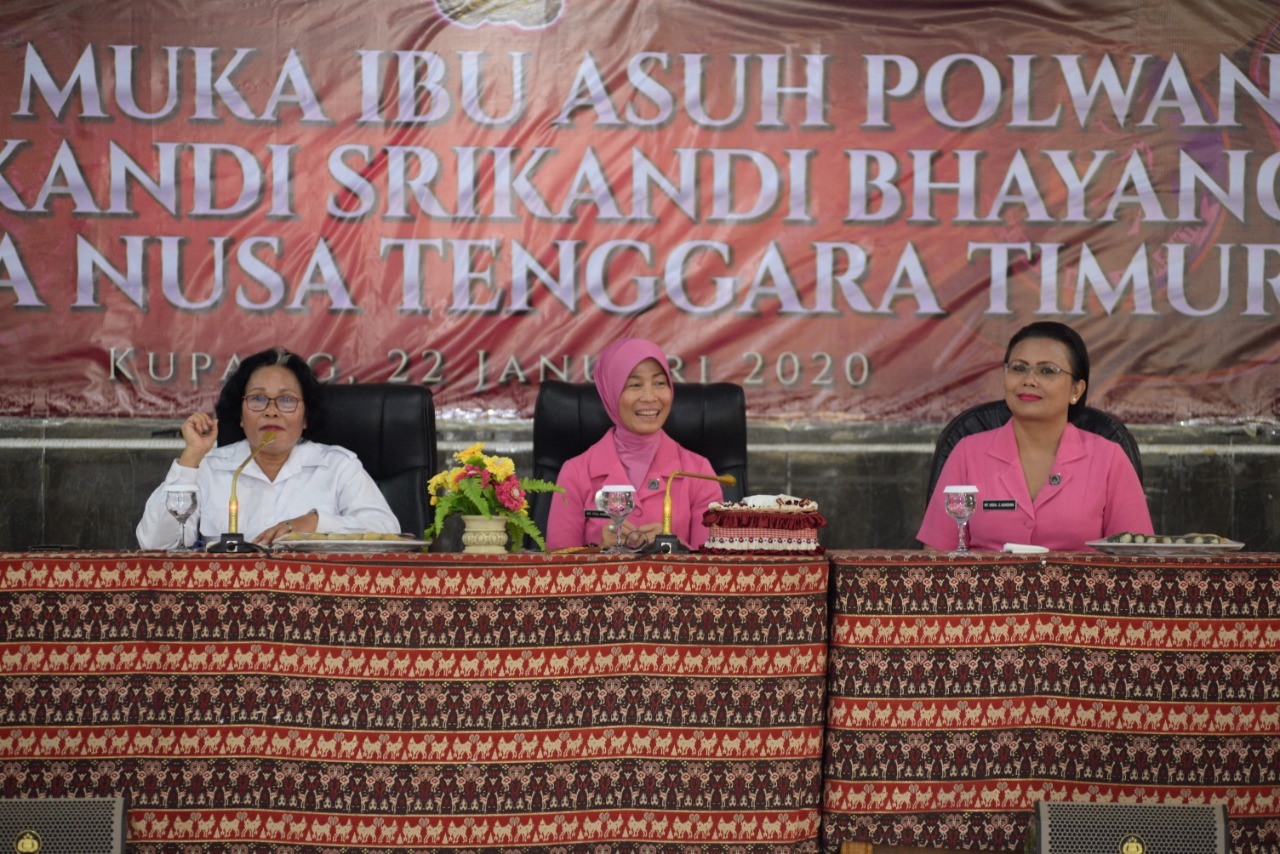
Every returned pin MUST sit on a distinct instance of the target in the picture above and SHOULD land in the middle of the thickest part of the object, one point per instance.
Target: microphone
(233, 542)
(667, 542)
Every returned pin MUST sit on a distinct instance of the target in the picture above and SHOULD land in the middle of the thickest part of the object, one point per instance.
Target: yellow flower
(443, 482)
(476, 450)
(500, 467)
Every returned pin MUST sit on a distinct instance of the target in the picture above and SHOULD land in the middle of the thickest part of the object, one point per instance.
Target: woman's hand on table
(633, 536)
(304, 524)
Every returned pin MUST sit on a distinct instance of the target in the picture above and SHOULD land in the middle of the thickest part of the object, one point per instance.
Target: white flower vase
(485, 535)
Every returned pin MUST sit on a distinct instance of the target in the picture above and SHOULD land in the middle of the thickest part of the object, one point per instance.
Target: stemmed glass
(181, 502)
(960, 502)
(617, 501)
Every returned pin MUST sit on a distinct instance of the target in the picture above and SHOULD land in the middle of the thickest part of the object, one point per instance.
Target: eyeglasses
(1044, 370)
(258, 402)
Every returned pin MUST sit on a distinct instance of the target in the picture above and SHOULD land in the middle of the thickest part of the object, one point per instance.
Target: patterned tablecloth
(964, 690)
(428, 702)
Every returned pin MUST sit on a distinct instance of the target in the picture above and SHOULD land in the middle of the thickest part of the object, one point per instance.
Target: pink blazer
(582, 476)
(1097, 494)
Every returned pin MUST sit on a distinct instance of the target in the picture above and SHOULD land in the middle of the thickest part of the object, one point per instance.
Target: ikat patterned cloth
(421, 702)
(963, 690)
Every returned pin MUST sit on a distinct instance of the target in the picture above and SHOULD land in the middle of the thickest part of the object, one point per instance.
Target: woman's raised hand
(200, 432)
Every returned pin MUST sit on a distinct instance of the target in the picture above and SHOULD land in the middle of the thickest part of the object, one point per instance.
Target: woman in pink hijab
(635, 387)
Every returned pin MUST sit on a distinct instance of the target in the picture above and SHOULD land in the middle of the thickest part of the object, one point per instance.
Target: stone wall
(83, 482)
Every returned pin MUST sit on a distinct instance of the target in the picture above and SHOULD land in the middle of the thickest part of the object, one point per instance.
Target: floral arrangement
(487, 486)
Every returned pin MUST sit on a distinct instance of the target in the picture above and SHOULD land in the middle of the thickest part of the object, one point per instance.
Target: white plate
(354, 545)
(1165, 549)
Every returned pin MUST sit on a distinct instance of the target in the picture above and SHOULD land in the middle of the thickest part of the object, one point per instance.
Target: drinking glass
(617, 501)
(181, 502)
(961, 501)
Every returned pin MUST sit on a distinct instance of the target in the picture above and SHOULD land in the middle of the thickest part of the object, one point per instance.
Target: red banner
(846, 210)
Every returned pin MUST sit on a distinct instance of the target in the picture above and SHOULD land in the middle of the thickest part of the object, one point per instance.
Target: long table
(964, 689)
(421, 702)
(437, 702)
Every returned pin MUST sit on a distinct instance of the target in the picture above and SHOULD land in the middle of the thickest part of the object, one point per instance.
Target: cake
(764, 524)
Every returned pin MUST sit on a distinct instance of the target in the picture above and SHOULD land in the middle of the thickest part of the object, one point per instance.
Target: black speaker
(63, 825)
(1059, 827)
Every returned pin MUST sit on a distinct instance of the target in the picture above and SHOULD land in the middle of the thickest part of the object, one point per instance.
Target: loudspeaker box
(62, 825)
(1059, 827)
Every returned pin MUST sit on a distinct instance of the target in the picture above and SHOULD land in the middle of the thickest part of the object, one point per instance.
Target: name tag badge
(1001, 504)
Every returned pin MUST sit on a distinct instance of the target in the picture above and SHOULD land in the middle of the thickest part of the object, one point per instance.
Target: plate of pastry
(1165, 544)
(350, 543)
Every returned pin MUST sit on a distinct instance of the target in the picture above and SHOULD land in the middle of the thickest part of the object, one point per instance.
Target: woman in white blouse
(291, 485)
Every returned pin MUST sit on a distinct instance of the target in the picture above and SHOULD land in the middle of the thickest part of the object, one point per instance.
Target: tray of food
(350, 543)
(1165, 544)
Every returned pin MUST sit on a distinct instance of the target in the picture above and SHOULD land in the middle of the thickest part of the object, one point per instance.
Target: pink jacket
(1097, 494)
(583, 475)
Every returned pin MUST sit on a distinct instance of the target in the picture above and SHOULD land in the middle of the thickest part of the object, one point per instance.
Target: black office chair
(988, 416)
(569, 418)
(392, 429)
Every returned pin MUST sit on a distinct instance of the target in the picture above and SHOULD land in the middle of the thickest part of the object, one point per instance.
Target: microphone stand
(667, 542)
(233, 542)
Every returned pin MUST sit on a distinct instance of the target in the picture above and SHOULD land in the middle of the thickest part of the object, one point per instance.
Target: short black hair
(1076, 350)
(232, 396)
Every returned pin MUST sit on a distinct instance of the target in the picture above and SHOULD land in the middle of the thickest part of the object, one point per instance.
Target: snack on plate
(294, 536)
(764, 524)
(1166, 539)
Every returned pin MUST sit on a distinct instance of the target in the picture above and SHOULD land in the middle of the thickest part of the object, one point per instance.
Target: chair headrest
(993, 414)
(708, 419)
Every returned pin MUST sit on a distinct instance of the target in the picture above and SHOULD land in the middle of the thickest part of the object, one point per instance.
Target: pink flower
(476, 471)
(510, 494)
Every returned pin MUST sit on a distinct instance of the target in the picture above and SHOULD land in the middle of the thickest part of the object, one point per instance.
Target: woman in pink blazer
(635, 386)
(1041, 480)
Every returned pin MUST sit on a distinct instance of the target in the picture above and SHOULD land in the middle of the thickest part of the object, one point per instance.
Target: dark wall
(82, 483)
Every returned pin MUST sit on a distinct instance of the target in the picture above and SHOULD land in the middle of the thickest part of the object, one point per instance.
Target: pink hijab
(615, 364)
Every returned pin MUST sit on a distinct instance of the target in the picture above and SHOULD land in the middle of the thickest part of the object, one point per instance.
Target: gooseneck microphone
(233, 542)
(667, 542)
